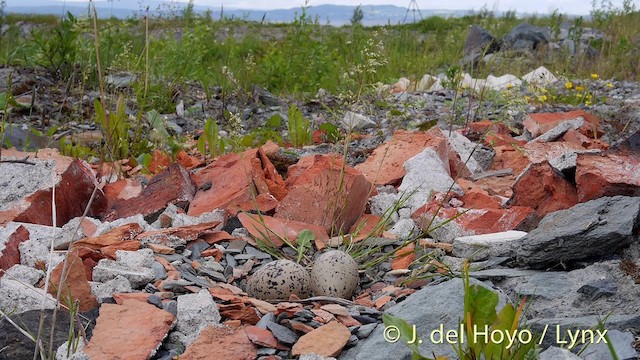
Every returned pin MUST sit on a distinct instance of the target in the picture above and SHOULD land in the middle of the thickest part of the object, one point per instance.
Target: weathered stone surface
(326, 194)
(622, 342)
(137, 270)
(9, 248)
(526, 37)
(275, 228)
(15, 345)
(221, 343)
(235, 179)
(18, 297)
(172, 186)
(120, 190)
(385, 165)
(195, 313)
(426, 174)
(544, 189)
(28, 198)
(74, 286)
(592, 229)
(482, 247)
(556, 353)
(442, 305)
(480, 41)
(327, 340)
(609, 174)
(471, 222)
(133, 330)
(539, 123)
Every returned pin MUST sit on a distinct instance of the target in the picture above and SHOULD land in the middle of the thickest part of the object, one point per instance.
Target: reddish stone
(540, 123)
(364, 300)
(10, 255)
(326, 194)
(486, 126)
(131, 331)
(382, 301)
(404, 257)
(348, 321)
(89, 264)
(121, 189)
(235, 179)
(577, 138)
(161, 249)
(88, 227)
(368, 225)
(129, 245)
(160, 161)
(510, 157)
(111, 237)
(495, 139)
(385, 165)
(223, 294)
(327, 340)
(246, 314)
(298, 326)
(263, 337)
(75, 182)
(476, 221)
(136, 296)
(270, 148)
(215, 253)
(544, 189)
(187, 233)
(493, 186)
(216, 236)
(276, 229)
(186, 160)
(609, 174)
(75, 286)
(323, 315)
(265, 203)
(221, 343)
(172, 186)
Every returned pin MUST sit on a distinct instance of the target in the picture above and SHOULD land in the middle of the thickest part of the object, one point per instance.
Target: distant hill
(325, 14)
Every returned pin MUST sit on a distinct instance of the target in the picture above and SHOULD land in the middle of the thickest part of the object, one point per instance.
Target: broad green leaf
(303, 242)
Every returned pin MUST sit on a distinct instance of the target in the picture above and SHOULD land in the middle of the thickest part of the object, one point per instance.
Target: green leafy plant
(480, 316)
(299, 127)
(210, 141)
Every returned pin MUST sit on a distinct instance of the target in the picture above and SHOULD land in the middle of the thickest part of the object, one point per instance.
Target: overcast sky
(577, 7)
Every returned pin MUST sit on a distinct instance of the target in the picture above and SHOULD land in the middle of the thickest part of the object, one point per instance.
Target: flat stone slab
(482, 247)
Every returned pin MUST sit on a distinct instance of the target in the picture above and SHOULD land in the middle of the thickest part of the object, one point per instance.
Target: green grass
(227, 56)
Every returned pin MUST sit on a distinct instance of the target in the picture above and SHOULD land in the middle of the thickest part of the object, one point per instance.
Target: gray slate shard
(588, 230)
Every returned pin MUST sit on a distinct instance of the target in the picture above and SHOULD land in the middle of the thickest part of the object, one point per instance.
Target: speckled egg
(335, 274)
(279, 279)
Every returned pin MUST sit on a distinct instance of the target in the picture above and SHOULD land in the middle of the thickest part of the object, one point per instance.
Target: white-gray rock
(540, 76)
(103, 291)
(556, 353)
(135, 266)
(560, 129)
(425, 175)
(482, 247)
(24, 274)
(196, 312)
(404, 228)
(17, 297)
(179, 218)
(356, 121)
(66, 352)
(622, 343)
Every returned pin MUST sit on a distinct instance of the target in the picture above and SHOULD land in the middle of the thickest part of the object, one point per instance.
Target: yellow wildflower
(587, 102)
(542, 98)
(568, 84)
(609, 85)
(594, 76)
(579, 88)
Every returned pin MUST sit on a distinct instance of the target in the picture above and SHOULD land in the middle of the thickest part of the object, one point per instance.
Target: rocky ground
(542, 200)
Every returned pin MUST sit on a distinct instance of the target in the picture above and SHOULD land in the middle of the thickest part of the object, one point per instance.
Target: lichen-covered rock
(334, 273)
(278, 280)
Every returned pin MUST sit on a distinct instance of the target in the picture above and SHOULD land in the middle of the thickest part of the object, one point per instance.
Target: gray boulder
(428, 309)
(480, 41)
(526, 37)
(588, 230)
